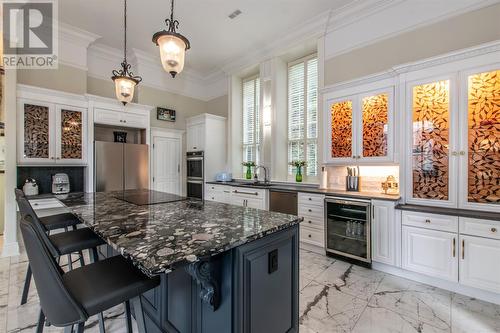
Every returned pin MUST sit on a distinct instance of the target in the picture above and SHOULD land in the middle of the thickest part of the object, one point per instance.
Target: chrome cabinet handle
(309, 235)
(454, 153)
(309, 210)
(493, 229)
(310, 199)
(249, 193)
(454, 246)
(427, 221)
(463, 249)
(462, 153)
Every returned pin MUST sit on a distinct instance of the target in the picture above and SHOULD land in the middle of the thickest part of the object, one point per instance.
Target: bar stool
(69, 299)
(59, 244)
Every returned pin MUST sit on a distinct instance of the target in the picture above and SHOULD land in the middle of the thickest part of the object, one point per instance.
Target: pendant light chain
(172, 11)
(125, 32)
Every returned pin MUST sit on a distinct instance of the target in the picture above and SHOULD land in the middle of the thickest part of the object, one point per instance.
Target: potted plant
(298, 168)
(249, 166)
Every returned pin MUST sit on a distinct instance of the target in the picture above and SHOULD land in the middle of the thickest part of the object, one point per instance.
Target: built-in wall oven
(347, 228)
(195, 174)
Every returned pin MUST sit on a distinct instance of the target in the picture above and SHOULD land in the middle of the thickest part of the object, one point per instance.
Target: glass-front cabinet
(50, 133)
(453, 140)
(360, 128)
(480, 139)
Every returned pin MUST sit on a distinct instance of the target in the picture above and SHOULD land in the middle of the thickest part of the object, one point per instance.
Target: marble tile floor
(335, 296)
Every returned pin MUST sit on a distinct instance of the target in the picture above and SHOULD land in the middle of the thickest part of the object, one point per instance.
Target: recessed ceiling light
(234, 14)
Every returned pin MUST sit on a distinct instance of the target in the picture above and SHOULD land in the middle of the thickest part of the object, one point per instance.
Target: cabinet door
(107, 117)
(480, 146)
(432, 160)
(135, 120)
(36, 133)
(479, 263)
(383, 232)
(375, 137)
(430, 252)
(195, 137)
(70, 135)
(341, 122)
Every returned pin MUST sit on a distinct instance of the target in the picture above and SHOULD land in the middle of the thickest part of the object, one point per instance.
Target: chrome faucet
(256, 178)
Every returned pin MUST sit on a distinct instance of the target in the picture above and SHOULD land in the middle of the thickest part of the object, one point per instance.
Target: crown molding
(349, 23)
(448, 58)
(310, 29)
(73, 45)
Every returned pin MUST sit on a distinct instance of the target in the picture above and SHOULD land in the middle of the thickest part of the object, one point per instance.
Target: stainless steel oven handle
(349, 202)
(195, 158)
(195, 181)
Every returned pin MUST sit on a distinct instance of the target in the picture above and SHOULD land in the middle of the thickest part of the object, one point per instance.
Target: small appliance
(60, 183)
(30, 187)
(224, 177)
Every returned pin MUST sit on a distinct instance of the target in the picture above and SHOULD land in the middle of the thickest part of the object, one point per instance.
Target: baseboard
(10, 249)
(455, 287)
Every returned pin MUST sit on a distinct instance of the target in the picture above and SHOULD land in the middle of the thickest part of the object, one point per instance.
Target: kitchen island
(223, 268)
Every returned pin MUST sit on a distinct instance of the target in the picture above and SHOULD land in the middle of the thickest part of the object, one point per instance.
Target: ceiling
(215, 39)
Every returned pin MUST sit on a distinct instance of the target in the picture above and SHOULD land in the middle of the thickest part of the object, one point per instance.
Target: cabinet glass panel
(71, 134)
(484, 137)
(341, 114)
(375, 125)
(430, 140)
(36, 131)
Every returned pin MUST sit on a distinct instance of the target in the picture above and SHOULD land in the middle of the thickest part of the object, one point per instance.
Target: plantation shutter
(251, 120)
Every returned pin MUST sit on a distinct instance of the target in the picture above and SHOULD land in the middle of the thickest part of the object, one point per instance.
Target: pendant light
(125, 81)
(172, 45)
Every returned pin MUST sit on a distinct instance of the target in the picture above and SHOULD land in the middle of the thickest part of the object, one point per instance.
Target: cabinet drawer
(312, 236)
(312, 211)
(482, 228)
(431, 221)
(313, 222)
(311, 199)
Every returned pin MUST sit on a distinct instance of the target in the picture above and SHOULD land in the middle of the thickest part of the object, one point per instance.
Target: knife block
(352, 183)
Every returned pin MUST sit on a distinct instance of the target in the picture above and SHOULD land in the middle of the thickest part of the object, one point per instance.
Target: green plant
(298, 163)
(248, 164)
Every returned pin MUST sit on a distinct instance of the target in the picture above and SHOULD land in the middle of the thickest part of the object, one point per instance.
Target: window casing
(303, 114)
(251, 120)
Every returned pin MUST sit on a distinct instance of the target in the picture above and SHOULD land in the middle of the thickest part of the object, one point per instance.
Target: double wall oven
(195, 174)
(347, 228)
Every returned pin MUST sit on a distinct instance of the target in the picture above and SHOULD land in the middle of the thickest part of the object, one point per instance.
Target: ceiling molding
(350, 24)
(73, 45)
(308, 30)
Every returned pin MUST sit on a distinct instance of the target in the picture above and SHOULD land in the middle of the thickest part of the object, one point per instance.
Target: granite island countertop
(162, 237)
(312, 189)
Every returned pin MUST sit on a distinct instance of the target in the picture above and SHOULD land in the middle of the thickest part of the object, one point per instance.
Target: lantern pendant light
(172, 45)
(125, 81)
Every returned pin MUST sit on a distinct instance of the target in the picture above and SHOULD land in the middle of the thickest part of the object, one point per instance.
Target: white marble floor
(335, 297)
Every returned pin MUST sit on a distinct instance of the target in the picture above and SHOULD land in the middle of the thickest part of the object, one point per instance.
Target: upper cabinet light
(125, 81)
(172, 45)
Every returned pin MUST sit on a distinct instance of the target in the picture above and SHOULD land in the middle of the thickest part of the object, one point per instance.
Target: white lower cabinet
(312, 208)
(219, 193)
(383, 231)
(430, 252)
(480, 262)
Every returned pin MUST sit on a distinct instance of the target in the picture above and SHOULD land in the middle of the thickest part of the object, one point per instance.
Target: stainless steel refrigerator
(120, 166)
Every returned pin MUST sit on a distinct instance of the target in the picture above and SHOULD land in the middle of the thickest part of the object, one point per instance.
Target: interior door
(166, 165)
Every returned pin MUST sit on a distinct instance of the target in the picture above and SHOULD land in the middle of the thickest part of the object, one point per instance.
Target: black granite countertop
(159, 238)
(312, 189)
(486, 215)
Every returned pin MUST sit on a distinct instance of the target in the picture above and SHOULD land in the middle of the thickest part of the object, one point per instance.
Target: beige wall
(218, 106)
(99, 87)
(65, 78)
(456, 33)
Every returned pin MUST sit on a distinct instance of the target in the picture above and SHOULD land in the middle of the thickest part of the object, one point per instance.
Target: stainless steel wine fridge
(347, 226)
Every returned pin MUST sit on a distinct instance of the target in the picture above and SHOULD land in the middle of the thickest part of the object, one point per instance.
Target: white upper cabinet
(50, 133)
(195, 137)
(121, 118)
(360, 127)
(452, 140)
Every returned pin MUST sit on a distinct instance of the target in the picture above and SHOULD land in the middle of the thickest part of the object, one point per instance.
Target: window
(251, 120)
(303, 114)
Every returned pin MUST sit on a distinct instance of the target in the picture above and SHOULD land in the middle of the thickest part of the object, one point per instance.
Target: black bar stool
(59, 244)
(69, 299)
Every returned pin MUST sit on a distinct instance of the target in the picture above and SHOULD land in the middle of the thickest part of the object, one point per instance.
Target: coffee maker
(60, 183)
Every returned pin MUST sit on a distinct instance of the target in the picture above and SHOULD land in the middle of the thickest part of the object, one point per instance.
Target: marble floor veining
(335, 296)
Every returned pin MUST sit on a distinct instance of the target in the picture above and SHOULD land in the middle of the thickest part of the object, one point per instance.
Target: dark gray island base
(223, 268)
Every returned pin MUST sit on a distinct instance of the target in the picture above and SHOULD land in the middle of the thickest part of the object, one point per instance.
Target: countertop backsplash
(371, 177)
